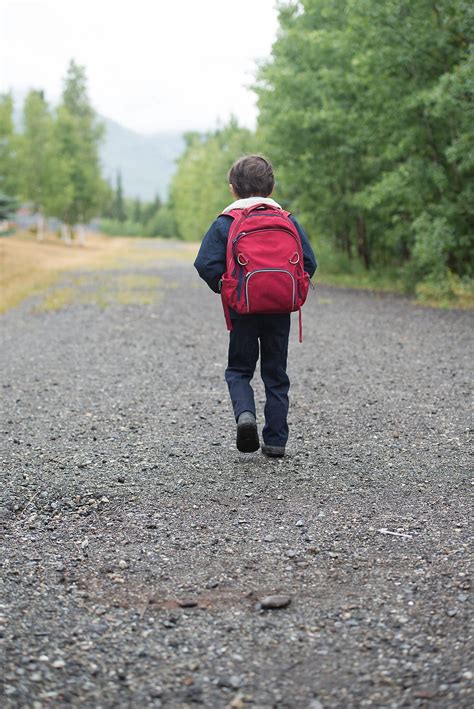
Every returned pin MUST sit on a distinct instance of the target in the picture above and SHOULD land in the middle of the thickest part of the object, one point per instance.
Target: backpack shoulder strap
(233, 213)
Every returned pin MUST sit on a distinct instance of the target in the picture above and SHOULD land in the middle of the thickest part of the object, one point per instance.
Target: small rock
(58, 664)
(299, 523)
(237, 702)
(120, 479)
(277, 601)
(122, 564)
(315, 704)
(187, 602)
(451, 612)
(232, 682)
(5, 514)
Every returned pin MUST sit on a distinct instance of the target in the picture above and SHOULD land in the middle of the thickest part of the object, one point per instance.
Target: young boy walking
(251, 182)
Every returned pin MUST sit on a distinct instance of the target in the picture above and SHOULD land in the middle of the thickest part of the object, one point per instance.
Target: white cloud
(151, 65)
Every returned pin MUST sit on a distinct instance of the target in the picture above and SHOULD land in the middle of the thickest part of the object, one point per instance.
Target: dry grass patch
(103, 290)
(29, 267)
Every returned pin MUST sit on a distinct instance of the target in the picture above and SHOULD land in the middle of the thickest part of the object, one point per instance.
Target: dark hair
(252, 176)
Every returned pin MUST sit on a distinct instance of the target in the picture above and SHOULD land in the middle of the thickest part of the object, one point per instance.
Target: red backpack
(265, 271)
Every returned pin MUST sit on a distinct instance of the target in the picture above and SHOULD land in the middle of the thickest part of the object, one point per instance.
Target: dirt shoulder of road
(29, 267)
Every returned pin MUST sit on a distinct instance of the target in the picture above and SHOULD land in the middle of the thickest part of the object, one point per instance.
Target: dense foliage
(130, 217)
(8, 205)
(199, 190)
(367, 111)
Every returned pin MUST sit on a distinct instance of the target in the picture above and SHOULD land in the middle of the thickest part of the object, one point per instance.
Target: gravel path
(138, 543)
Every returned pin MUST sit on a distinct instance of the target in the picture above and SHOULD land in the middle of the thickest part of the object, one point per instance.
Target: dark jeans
(272, 331)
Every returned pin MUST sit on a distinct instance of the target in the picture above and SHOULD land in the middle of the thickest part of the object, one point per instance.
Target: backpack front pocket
(270, 290)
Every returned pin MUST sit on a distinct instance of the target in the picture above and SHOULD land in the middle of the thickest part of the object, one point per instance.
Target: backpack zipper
(252, 231)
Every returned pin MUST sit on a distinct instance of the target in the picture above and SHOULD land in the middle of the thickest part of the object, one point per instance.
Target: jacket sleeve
(310, 263)
(210, 262)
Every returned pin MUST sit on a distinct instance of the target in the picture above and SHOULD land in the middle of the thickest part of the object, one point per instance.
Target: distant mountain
(146, 162)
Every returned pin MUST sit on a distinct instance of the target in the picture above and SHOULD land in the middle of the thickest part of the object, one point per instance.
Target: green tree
(8, 147)
(150, 209)
(137, 211)
(366, 109)
(119, 204)
(199, 190)
(44, 171)
(8, 205)
(79, 134)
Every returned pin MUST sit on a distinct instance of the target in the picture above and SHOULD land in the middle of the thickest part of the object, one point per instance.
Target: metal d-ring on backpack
(265, 269)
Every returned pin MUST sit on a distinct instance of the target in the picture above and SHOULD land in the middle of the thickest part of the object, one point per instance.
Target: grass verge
(29, 267)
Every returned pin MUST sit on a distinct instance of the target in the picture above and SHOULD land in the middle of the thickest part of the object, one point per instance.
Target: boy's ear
(232, 191)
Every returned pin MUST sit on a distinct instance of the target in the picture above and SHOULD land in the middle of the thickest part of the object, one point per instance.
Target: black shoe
(273, 451)
(247, 434)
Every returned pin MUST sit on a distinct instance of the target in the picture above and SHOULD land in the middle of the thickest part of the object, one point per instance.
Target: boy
(251, 181)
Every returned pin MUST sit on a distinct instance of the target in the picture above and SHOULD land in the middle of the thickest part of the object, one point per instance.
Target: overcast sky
(152, 65)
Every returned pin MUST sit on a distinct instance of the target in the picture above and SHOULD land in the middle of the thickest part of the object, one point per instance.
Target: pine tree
(137, 211)
(119, 205)
(8, 205)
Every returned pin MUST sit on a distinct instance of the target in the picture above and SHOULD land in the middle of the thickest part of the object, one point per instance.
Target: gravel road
(138, 543)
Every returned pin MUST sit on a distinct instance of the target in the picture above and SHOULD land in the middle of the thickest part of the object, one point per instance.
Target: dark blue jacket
(211, 259)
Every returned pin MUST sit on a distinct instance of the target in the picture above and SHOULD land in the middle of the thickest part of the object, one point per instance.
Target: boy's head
(251, 176)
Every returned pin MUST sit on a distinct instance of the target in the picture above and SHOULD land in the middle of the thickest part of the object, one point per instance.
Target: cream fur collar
(249, 201)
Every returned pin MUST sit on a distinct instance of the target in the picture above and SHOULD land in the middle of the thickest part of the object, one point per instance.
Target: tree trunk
(362, 243)
(81, 235)
(343, 240)
(66, 234)
(40, 220)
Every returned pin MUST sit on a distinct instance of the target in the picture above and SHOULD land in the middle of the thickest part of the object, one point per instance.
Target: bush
(448, 291)
(162, 224)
